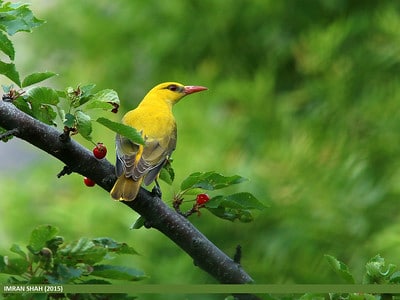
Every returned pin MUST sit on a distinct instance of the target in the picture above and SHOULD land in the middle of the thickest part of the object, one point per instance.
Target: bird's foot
(156, 191)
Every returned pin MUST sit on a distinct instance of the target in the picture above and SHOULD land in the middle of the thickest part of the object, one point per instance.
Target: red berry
(88, 181)
(100, 151)
(202, 199)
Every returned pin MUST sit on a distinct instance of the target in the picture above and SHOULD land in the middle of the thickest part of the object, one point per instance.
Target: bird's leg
(156, 191)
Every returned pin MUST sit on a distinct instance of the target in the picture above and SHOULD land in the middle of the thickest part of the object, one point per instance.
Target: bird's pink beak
(190, 89)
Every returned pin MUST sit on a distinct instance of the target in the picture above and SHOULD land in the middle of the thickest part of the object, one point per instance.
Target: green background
(303, 100)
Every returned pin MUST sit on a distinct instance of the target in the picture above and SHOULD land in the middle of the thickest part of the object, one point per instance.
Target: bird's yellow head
(172, 92)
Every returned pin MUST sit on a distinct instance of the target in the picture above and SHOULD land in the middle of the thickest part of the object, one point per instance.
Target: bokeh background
(303, 100)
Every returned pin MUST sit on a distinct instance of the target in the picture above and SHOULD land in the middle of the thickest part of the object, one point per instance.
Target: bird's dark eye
(173, 87)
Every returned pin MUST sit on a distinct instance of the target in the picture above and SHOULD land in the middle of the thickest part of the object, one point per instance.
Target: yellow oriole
(154, 120)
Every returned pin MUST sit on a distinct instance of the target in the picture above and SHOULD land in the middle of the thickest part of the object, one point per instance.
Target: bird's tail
(125, 189)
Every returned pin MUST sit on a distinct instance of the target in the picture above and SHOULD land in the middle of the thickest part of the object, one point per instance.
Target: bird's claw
(156, 191)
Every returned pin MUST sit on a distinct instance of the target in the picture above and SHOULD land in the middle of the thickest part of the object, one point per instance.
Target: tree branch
(80, 160)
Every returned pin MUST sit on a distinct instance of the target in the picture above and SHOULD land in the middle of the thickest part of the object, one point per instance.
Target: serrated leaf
(64, 274)
(340, 268)
(242, 200)
(18, 17)
(83, 251)
(40, 235)
(117, 272)
(6, 46)
(103, 100)
(44, 113)
(17, 249)
(124, 130)
(43, 95)
(210, 181)
(36, 78)
(113, 246)
(84, 124)
(13, 266)
(8, 70)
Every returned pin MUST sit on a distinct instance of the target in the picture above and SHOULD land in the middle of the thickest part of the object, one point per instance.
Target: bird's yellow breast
(154, 120)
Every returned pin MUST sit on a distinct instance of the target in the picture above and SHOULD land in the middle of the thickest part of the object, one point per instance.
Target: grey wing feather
(126, 154)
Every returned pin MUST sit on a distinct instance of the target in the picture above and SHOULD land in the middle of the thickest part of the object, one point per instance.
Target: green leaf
(167, 173)
(21, 104)
(113, 246)
(95, 281)
(230, 214)
(194, 191)
(340, 268)
(40, 99)
(69, 120)
(96, 104)
(138, 223)
(8, 70)
(44, 113)
(242, 200)
(36, 78)
(377, 271)
(84, 124)
(210, 181)
(43, 95)
(117, 272)
(55, 243)
(13, 266)
(7, 46)
(83, 251)
(40, 235)
(83, 94)
(104, 99)
(86, 90)
(17, 17)
(124, 130)
(64, 274)
(17, 249)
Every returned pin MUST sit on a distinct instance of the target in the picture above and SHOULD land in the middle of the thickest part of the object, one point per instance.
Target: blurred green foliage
(303, 100)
